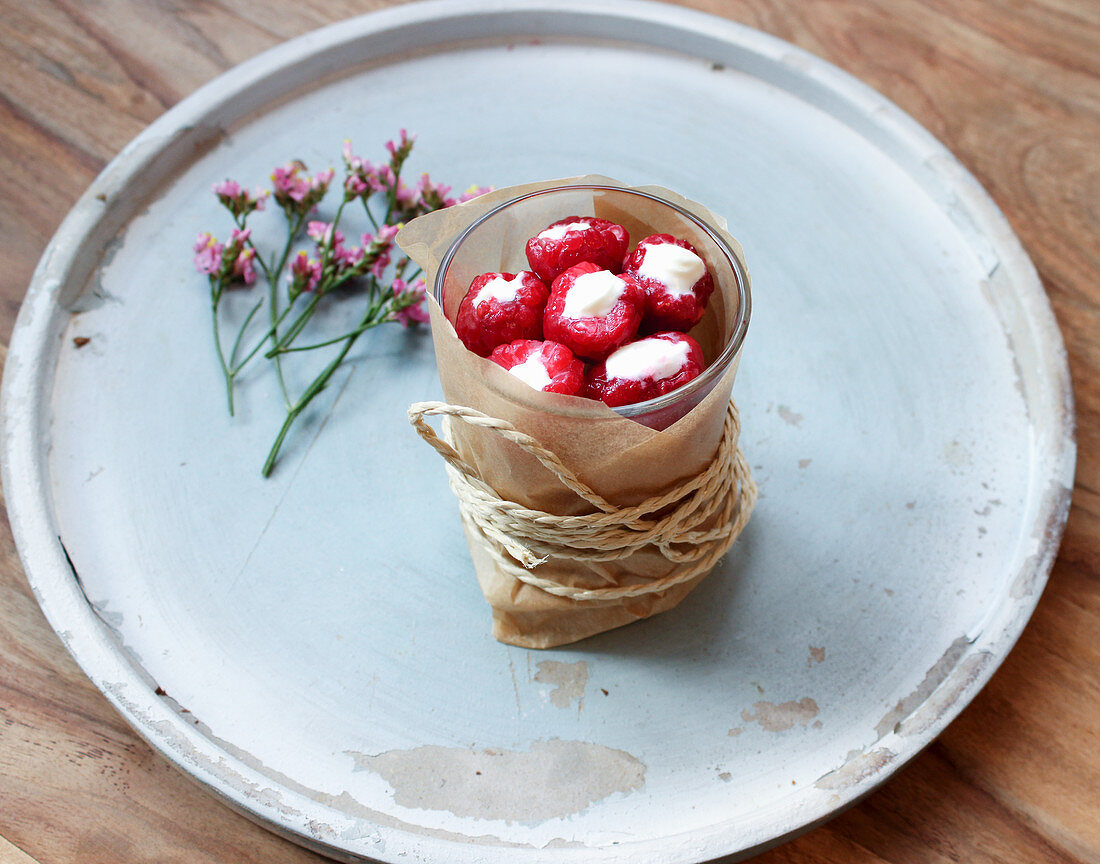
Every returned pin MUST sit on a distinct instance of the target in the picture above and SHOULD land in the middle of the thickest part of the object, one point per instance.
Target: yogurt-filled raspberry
(546, 366)
(593, 311)
(676, 282)
(499, 308)
(645, 369)
(575, 239)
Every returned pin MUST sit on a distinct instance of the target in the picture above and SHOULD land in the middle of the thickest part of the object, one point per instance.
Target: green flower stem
(273, 299)
(370, 319)
(366, 206)
(240, 335)
(312, 390)
(295, 328)
(262, 340)
(281, 342)
(215, 299)
(362, 328)
(299, 323)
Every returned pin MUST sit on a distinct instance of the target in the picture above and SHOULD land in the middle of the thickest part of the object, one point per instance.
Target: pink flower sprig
(240, 202)
(404, 202)
(407, 307)
(297, 192)
(329, 267)
(226, 263)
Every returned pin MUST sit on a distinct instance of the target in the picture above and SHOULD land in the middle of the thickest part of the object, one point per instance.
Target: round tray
(314, 647)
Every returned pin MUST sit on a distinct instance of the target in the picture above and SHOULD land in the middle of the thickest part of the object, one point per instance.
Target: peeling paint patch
(725, 776)
(562, 843)
(947, 695)
(956, 456)
(735, 731)
(856, 769)
(804, 463)
(554, 779)
(817, 655)
(568, 680)
(1056, 501)
(789, 417)
(779, 718)
(932, 679)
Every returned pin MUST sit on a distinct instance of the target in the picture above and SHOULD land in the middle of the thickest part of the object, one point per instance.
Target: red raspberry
(592, 311)
(574, 239)
(499, 308)
(546, 366)
(676, 282)
(645, 369)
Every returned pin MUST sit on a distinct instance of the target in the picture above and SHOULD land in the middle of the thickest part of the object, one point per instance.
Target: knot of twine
(723, 494)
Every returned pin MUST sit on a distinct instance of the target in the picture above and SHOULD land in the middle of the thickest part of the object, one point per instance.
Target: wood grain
(1012, 88)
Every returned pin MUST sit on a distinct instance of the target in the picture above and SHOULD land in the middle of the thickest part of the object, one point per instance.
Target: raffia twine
(519, 538)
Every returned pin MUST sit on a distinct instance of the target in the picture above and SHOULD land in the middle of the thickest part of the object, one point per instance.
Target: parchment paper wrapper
(619, 457)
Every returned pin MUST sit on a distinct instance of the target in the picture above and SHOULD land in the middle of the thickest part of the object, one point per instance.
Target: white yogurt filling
(672, 265)
(647, 358)
(557, 232)
(532, 372)
(593, 295)
(499, 288)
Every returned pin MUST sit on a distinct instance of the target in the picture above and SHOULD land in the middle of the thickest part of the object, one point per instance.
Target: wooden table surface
(1012, 87)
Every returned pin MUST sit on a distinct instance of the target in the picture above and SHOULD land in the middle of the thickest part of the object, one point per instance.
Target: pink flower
(378, 268)
(209, 255)
(296, 192)
(238, 201)
(239, 236)
(383, 178)
(473, 192)
(408, 303)
(399, 150)
(227, 262)
(243, 267)
(354, 186)
(305, 273)
(288, 185)
(347, 256)
(353, 162)
(227, 189)
(404, 196)
(321, 233)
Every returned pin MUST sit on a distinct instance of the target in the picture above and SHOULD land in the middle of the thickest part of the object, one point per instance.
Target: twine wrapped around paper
(671, 523)
(620, 517)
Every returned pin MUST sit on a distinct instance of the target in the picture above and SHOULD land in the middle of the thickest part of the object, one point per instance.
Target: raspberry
(676, 282)
(499, 308)
(592, 311)
(645, 369)
(546, 366)
(575, 239)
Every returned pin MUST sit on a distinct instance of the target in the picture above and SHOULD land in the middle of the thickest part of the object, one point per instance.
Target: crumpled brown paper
(619, 458)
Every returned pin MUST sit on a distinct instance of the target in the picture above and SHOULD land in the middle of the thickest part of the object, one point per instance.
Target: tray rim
(194, 123)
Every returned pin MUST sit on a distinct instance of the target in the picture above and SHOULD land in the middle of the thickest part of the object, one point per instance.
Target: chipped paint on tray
(791, 418)
(857, 769)
(932, 679)
(961, 679)
(779, 718)
(568, 680)
(551, 780)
